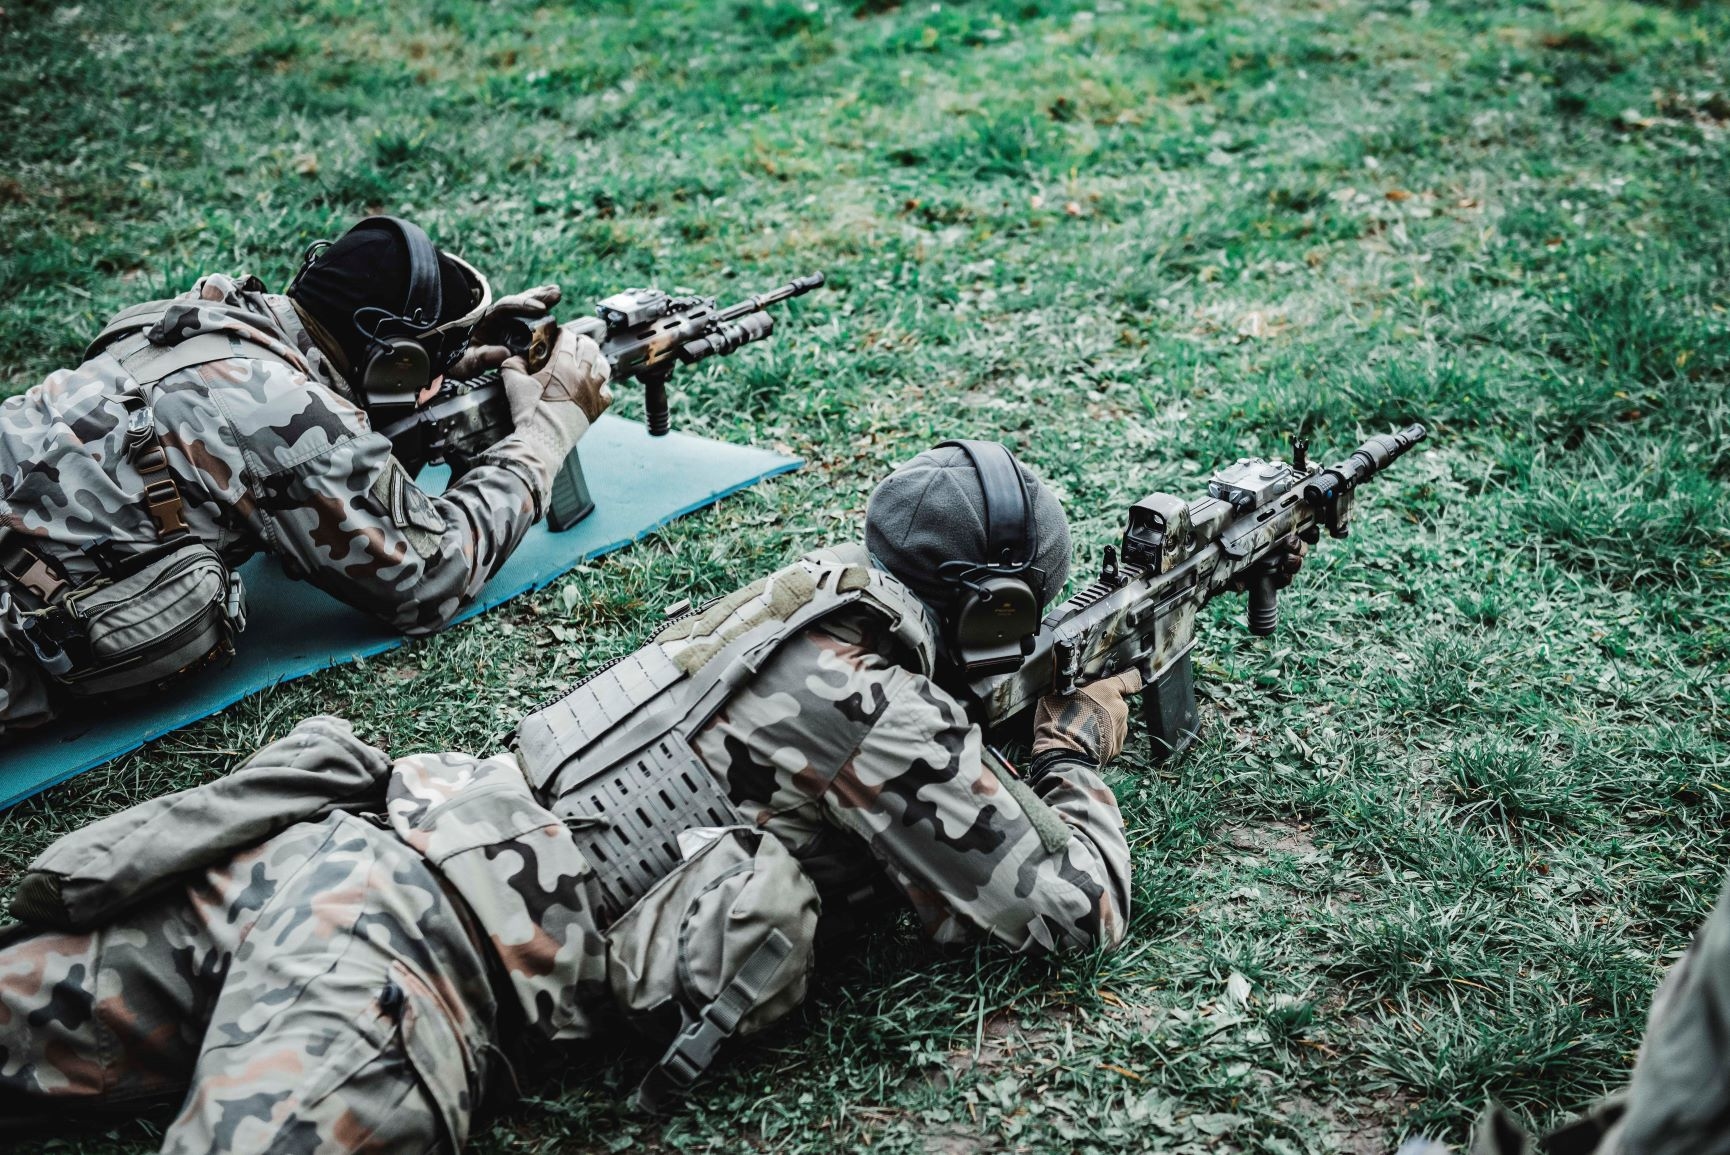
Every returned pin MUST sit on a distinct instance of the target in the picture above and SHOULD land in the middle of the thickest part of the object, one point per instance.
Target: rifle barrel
(797, 287)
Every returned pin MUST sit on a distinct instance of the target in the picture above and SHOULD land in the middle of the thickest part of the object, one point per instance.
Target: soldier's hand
(552, 409)
(576, 374)
(484, 354)
(1283, 563)
(1093, 721)
(528, 303)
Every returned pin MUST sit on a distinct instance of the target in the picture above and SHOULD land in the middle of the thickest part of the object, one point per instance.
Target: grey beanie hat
(932, 510)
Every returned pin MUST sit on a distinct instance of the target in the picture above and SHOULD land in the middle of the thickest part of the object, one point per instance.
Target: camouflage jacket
(858, 761)
(808, 696)
(520, 876)
(269, 454)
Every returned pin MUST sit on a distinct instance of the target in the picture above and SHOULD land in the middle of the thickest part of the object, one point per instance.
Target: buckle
(150, 459)
(235, 606)
(162, 502)
(39, 580)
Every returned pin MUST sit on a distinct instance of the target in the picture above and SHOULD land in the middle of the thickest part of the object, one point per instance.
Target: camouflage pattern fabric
(529, 888)
(321, 992)
(269, 455)
(329, 990)
(861, 764)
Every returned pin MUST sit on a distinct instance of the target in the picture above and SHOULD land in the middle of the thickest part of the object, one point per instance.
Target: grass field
(1446, 828)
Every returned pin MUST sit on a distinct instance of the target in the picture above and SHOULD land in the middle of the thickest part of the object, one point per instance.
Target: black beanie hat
(367, 268)
(932, 510)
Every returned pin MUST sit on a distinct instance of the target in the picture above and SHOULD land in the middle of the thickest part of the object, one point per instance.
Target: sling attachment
(144, 448)
(695, 1047)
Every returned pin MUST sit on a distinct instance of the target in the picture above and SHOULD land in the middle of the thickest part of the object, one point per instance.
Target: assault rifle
(1174, 558)
(644, 335)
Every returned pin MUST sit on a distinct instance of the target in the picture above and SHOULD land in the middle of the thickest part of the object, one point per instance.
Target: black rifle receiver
(643, 333)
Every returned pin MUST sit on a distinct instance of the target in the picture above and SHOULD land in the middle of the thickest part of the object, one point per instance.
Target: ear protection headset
(403, 352)
(992, 622)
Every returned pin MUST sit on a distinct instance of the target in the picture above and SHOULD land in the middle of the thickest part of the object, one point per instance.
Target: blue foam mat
(639, 483)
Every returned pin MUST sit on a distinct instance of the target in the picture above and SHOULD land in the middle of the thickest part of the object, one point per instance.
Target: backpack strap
(148, 364)
(162, 499)
(694, 1048)
(129, 320)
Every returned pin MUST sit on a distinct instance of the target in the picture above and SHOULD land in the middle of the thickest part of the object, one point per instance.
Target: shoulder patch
(409, 508)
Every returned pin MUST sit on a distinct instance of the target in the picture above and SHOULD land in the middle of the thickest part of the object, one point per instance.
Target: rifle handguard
(728, 337)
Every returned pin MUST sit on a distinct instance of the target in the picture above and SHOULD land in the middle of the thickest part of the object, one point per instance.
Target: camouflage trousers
(319, 993)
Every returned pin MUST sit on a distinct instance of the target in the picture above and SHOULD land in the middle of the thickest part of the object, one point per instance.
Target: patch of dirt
(1358, 1128)
(1006, 1039)
(1284, 837)
(956, 1143)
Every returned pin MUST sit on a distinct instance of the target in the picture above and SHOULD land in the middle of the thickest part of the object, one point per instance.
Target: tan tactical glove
(1092, 722)
(481, 355)
(552, 409)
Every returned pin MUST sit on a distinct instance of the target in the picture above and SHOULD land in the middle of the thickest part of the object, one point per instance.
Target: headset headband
(1009, 524)
(422, 302)
(424, 299)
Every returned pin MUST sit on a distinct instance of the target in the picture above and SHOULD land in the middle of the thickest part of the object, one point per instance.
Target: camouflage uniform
(809, 697)
(333, 989)
(269, 453)
(325, 990)
(858, 763)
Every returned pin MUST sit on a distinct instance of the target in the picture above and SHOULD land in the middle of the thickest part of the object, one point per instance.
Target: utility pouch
(163, 614)
(721, 946)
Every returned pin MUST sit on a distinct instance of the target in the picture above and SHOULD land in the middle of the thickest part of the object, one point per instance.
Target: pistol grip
(1168, 708)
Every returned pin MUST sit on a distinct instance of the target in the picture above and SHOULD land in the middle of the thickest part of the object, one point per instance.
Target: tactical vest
(169, 609)
(613, 757)
(722, 932)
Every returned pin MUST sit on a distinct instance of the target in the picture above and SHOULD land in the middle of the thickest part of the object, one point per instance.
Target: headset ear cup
(993, 623)
(396, 372)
